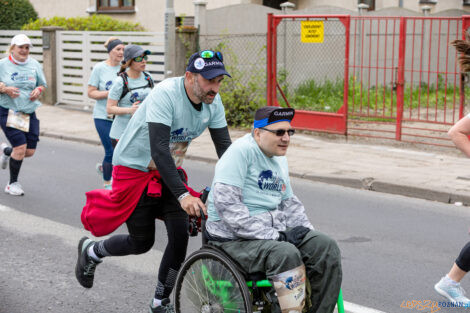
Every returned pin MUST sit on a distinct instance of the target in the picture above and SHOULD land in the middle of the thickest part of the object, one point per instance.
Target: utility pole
(169, 39)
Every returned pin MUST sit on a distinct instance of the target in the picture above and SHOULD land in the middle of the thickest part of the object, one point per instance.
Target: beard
(206, 97)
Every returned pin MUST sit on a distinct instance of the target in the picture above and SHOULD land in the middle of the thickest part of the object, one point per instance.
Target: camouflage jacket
(236, 223)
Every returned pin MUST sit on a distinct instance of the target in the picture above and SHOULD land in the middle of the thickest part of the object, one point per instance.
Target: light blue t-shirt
(139, 90)
(264, 181)
(167, 104)
(102, 78)
(26, 77)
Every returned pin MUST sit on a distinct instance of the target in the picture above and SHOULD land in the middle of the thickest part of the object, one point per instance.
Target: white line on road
(356, 308)
(27, 225)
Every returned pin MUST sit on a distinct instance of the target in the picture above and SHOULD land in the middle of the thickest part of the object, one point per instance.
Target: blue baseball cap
(270, 114)
(209, 68)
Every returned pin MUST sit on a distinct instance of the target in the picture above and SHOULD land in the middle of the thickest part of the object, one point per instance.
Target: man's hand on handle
(192, 205)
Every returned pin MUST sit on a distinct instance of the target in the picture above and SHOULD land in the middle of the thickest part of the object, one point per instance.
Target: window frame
(119, 9)
(371, 8)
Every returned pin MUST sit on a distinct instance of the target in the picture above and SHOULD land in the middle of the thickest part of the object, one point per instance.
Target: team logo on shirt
(108, 84)
(267, 180)
(20, 77)
(182, 134)
(134, 97)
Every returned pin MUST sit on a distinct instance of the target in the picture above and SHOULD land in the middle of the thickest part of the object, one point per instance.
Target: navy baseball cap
(269, 115)
(207, 63)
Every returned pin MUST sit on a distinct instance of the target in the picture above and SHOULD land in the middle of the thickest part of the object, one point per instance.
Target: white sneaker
(3, 158)
(14, 189)
(454, 292)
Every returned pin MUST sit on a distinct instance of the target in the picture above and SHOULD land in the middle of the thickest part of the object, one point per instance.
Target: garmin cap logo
(284, 114)
(211, 63)
(199, 64)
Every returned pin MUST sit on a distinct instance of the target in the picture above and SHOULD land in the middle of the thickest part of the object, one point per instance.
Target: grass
(327, 96)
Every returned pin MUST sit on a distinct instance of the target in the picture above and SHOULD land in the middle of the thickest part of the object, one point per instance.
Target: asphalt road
(394, 248)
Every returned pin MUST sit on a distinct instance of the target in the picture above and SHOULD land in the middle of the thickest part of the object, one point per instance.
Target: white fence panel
(34, 35)
(78, 52)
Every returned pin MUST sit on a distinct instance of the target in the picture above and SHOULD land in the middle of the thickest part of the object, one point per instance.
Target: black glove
(294, 235)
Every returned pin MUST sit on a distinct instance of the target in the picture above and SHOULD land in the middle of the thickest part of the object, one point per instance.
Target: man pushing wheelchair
(256, 219)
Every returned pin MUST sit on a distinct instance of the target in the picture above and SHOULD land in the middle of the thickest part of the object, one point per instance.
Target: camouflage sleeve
(228, 201)
(294, 212)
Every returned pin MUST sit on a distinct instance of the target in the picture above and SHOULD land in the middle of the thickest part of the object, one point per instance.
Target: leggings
(463, 260)
(103, 127)
(141, 226)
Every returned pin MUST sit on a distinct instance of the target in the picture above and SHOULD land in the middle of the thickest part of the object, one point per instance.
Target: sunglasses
(209, 54)
(280, 132)
(141, 58)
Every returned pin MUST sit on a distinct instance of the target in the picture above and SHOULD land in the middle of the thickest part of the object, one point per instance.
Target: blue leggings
(103, 127)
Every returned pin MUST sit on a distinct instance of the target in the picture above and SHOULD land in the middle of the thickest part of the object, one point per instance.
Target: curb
(367, 183)
(70, 138)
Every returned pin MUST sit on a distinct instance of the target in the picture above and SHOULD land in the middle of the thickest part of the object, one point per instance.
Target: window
(276, 4)
(115, 6)
(370, 3)
(427, 1)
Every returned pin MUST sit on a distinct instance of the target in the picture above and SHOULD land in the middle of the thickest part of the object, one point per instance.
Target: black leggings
(463, 260)
(141, 226)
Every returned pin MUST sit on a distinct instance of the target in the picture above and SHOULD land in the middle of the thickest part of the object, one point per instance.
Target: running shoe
(85, 268)
(3, 157)
(108, 186)
(99, 169)
(165, 307)
(452, 291)
(14, 189)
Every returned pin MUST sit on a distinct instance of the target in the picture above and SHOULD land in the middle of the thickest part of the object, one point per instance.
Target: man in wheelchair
(256, 219)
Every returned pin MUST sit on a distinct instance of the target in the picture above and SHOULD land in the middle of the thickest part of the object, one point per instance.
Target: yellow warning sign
(312, 31)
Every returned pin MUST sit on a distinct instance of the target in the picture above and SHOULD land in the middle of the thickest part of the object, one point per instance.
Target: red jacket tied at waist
(106, 210)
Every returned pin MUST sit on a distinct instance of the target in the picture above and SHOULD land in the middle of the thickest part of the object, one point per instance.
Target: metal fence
(244, 57)
(401, 80)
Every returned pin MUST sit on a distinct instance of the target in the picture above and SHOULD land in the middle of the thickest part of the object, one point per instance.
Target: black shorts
(18, 137)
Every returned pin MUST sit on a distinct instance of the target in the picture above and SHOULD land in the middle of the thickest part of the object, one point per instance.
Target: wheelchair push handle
(205, 194)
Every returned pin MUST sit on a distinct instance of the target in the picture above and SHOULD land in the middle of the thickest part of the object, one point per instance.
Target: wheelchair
(209, 281)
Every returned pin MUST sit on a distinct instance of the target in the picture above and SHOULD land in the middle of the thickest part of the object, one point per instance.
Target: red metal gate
(400, 76)
(298, 67)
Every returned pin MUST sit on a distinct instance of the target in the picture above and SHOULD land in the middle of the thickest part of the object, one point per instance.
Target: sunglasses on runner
(141, 58)
(280, 132)
(209, 54)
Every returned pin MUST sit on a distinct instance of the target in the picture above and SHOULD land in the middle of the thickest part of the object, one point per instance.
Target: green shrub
(16, 13)
(90, 23)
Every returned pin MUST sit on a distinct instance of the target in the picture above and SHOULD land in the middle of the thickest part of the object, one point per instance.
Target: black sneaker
(165, 307)
(85, 268)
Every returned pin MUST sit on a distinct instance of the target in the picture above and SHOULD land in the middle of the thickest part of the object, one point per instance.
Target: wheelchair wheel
(208, 282)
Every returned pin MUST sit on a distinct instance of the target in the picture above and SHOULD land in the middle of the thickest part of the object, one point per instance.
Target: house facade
(150, 13)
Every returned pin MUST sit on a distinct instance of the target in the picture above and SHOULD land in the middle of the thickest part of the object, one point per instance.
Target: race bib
(18, 120)
(290, 289)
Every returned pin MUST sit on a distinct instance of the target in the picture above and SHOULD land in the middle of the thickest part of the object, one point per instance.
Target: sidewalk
(434, 175)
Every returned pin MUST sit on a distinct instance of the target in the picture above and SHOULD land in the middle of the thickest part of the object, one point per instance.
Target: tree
(16, 13)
